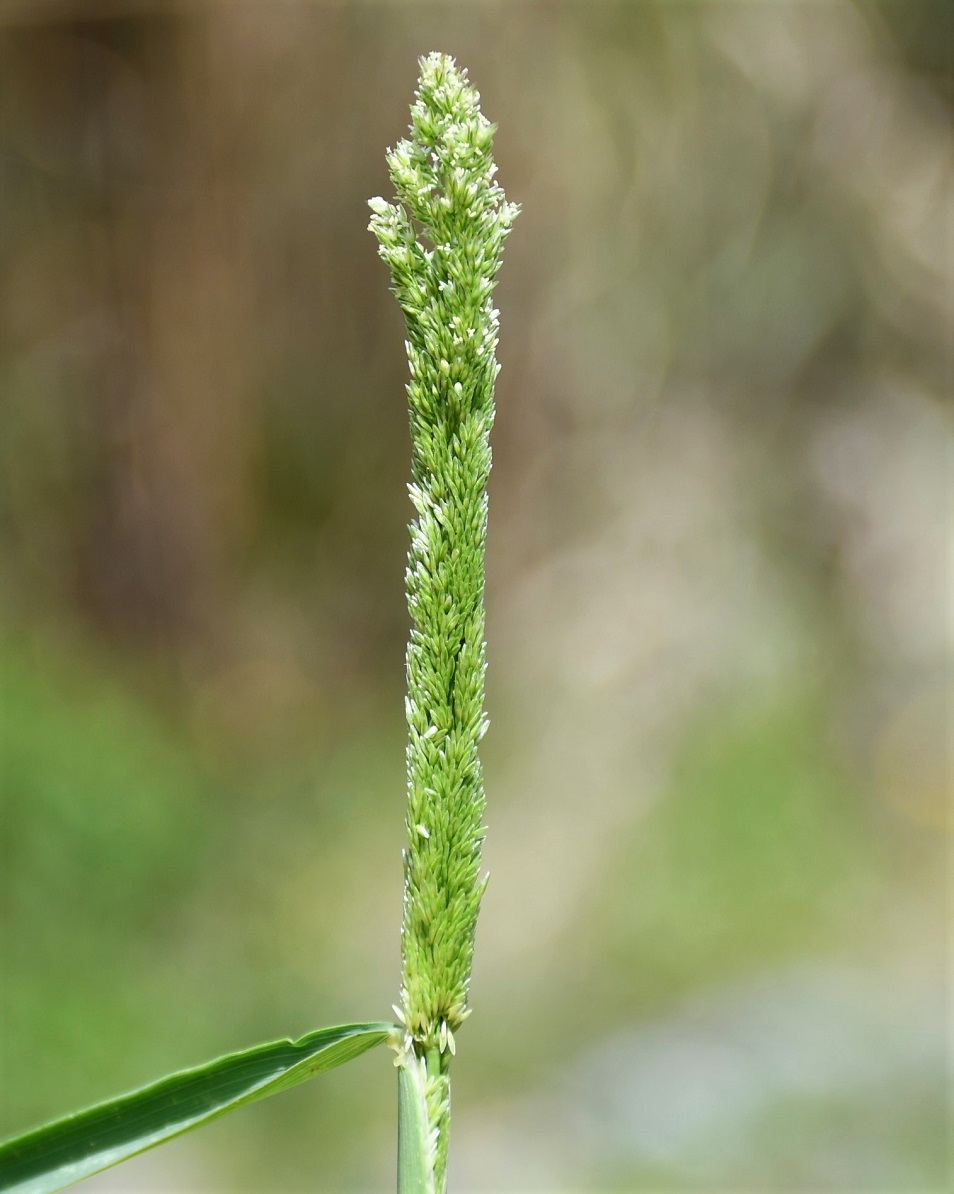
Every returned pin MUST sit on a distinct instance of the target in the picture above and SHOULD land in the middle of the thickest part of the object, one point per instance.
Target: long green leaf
(70, 1149)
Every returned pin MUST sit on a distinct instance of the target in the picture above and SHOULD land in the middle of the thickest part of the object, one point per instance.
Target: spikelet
(442, 240)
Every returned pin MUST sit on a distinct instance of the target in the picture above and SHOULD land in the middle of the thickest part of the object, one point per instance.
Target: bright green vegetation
(443, 242)
(444, 282)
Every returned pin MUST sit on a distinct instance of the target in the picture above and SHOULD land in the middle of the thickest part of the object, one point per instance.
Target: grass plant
(442, 239)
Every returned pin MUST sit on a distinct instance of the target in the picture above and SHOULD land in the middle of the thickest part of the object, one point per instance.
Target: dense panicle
(442, 240)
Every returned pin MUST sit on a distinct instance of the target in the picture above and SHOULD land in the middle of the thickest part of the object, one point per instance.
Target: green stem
(415, 1162)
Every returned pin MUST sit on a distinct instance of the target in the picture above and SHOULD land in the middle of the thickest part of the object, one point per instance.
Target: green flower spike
(442, 241)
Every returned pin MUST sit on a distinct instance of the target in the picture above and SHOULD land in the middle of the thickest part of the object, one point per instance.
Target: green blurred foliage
(760, 802)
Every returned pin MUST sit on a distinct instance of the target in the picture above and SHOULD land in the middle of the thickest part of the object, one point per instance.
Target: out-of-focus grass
(159, 905)
(761, 848)
(105, 834)
(734, 1004)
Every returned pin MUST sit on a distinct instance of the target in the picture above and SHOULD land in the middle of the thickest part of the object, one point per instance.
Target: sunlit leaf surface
(73, 1148)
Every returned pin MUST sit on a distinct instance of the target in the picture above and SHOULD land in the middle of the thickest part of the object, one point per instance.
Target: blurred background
(714, 949)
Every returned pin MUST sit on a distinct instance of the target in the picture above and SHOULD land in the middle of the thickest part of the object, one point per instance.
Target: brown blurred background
(714, 947)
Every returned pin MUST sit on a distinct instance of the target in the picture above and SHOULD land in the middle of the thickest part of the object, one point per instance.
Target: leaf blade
(67, 1150)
